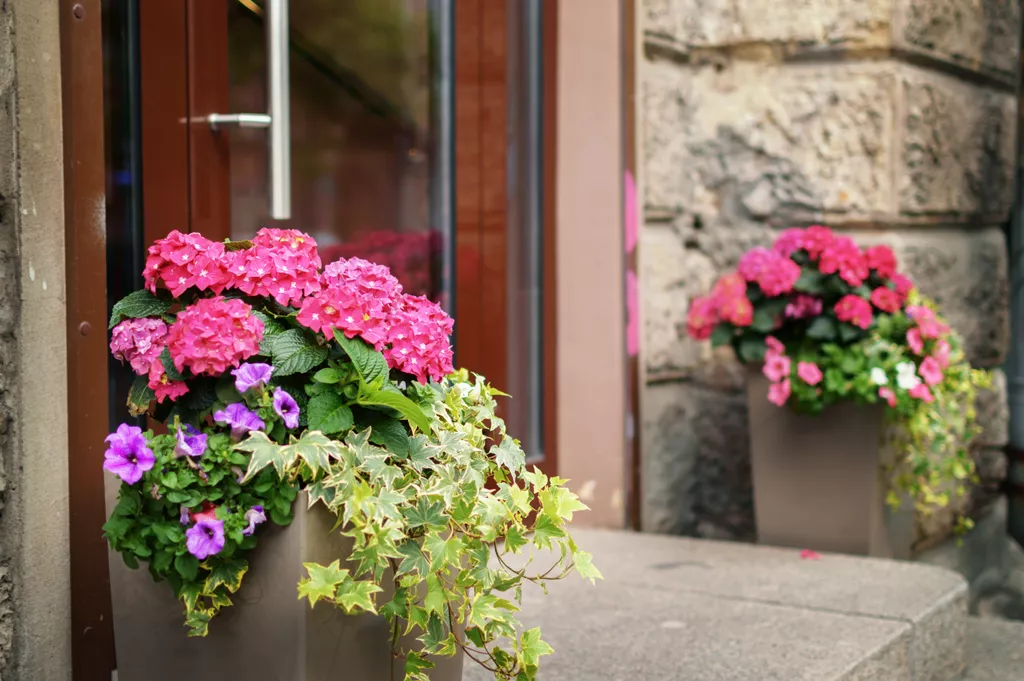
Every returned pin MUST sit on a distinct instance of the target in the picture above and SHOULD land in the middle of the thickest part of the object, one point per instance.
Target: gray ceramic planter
(818, 480)
(269, 634)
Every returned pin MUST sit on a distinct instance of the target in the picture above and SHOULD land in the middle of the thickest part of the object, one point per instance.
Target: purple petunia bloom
(184, 516)
(191, 442)
(254, 516)
(205, 538)
(240, 418)
(251, 375)
(286, 407)
(128, 456)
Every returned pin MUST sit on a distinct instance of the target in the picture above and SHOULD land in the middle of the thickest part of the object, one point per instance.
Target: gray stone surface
(673, 608)
(995, 650)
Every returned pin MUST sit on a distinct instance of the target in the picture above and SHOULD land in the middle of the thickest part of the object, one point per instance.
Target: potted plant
(859, 392)
(322, 470)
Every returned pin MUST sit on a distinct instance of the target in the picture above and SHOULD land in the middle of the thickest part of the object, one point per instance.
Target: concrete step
(672, 608)
(995, 650)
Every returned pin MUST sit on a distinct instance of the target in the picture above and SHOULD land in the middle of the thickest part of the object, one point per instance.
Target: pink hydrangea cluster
(409, 255)
(181, 261)
(418, 339)
(728, 302)
(855, 310)
(844, 257)
(774, 273)
(139, 342)
(282, 264)
(777, 369)
(927, 338)
(214, 334)
(803, 307)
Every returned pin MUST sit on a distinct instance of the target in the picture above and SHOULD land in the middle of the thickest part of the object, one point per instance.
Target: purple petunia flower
(191, 442)
(251, 375)
(205, 538)
(128, 456)
(184, 516)
(286, 407)
(240, 418)
(254, 516)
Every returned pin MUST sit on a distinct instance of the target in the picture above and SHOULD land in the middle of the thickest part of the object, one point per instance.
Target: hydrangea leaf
(138, 304)
(140, 396)
(294, 352)
(370, 364)
(328, 413)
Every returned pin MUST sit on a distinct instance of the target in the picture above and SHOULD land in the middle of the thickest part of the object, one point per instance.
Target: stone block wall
(893, 120)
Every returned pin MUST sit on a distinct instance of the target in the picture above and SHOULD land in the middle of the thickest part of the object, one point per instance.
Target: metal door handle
(278, 116)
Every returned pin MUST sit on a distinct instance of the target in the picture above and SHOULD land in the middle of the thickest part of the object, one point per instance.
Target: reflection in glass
(364, 115)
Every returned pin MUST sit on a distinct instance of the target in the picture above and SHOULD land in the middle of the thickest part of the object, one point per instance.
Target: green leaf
(822, 329)
(187, 566)
(138, 304)
(328, 375)
(328, 413)
(752, 349)
(415, 664)
(370, 364)
(436, 598)
(400, 403)
(425, 513)
(201, 394)
(140, 396)
(532, 647)
(323, 581)
(316, 449)
(509, 454)
(849, 333)
(357, 596)
(515, 539)
(265, 452)
(585, 566)
(414, 559)
(294, 352)
(810, 282)
(225, 389)
(442, 551)
(271, 328)
(545, 530)
(388, 433)
(763, 321)
(228, 574)
(721, 335)
(172, 371)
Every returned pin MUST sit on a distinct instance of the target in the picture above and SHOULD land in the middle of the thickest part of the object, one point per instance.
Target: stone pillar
(894, 120)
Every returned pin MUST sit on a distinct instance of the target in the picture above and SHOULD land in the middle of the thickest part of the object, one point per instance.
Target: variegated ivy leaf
(314, 448)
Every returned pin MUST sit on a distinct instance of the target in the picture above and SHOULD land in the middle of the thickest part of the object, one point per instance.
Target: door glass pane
(365, 78)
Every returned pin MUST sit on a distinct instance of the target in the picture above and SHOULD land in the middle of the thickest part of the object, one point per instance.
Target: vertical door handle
(277, 120)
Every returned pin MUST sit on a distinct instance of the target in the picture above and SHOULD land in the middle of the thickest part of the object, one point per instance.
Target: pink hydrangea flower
(888, 395)
(844, 257)
(921, 392)
(701, 318)
(419, 339)
(728, 287)
(755, 261)
(915, 341)
(885, 299)
(941, 352)
(809, 373)
(162, 386)
(903, 284)
(776, 367)
(738, 311)
(882, 260)
(213, 335)
(181, 261)
(789, 242)
(779, 276)
(803, 307)
(778, 393)
(774, 345)
(283, 264)
(854, 310)
(367, 278)
(930, 371)
(138, 342)
(816, 239)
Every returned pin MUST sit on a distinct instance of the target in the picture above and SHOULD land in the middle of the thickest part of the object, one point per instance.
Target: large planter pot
(268, 634)
(819, 481)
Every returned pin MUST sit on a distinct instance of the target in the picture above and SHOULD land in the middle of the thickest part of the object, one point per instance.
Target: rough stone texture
(824, 141)
(994, 651)
(696, 463)
(729, 611)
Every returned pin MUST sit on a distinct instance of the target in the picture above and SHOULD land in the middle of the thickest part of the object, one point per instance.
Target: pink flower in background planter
(809, 373)
(789, 241)
(778, 393)
(754, 262)
(855, 310)
(882, 260)
(804, 306)
(903, 285)
(737, 311)
(941, 352)
(807, 554)
(702, 318)
(775, 346)
(779, 276)
(921, 392)
(885, 299)
(816, 239)
(930, 371)
(888, 395)
(914, 341)
(776, 368)
(844, 257)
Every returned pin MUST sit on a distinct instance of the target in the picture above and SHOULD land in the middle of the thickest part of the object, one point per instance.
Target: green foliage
(138, 304)
(294, 352)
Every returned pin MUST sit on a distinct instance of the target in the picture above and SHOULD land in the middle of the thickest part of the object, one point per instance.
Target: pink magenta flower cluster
(140, 342)
(282, 264)
(777, 368)
(213, 335)
(182, 261)
(419, 339)
(409, 256)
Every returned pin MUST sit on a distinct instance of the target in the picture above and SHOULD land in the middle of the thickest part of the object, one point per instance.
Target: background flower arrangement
(829, 321)
(275, 377)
